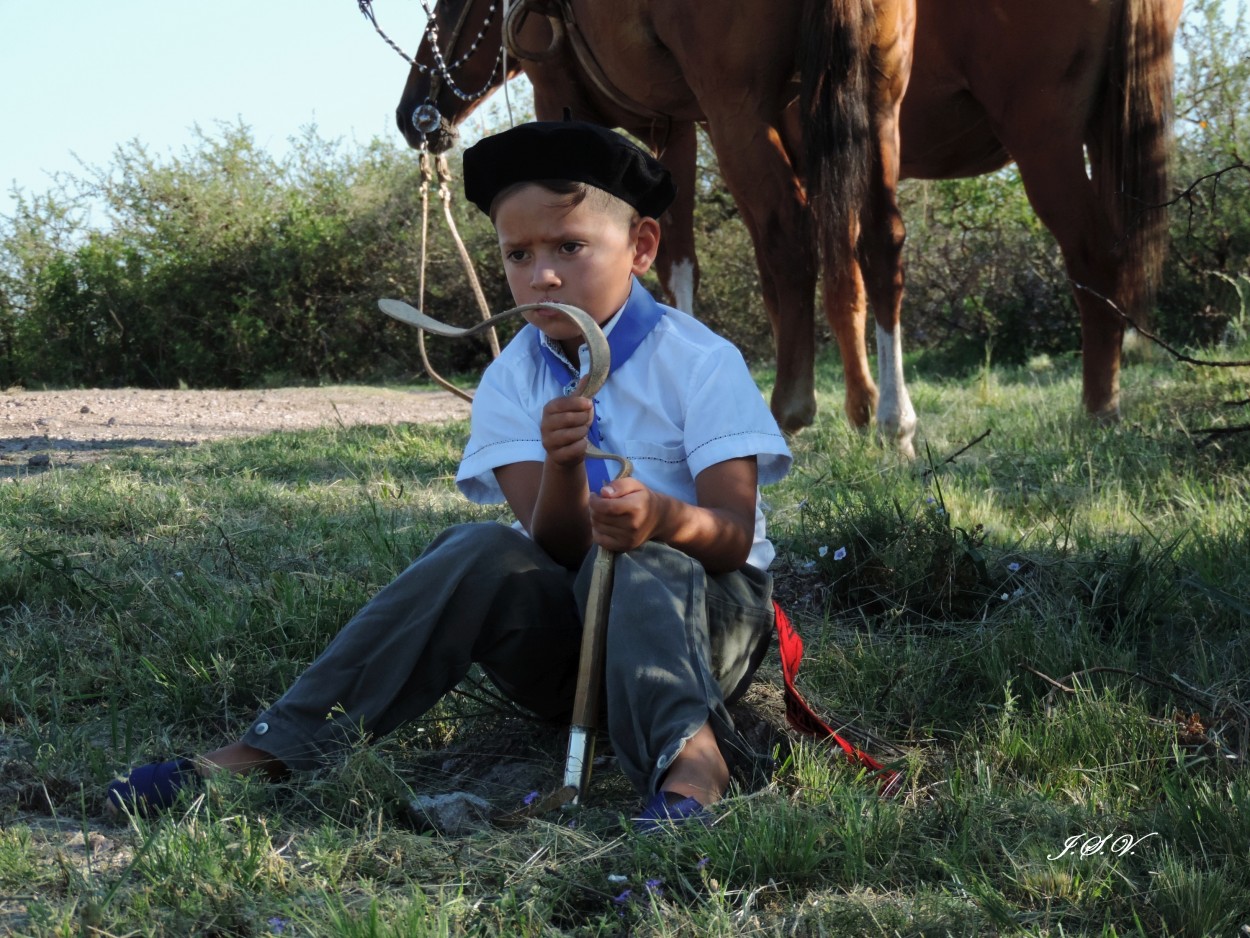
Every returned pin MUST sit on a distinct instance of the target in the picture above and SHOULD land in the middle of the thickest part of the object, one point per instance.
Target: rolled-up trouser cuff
(680, 645)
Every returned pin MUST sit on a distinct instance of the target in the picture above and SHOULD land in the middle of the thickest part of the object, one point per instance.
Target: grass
(1030, 625)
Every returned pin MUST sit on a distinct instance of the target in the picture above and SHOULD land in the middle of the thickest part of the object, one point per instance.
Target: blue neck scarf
(634, 323)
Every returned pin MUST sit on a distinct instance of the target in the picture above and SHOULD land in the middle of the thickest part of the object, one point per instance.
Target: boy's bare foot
(699, 771)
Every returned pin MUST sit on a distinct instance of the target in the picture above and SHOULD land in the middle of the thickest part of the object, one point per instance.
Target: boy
(575, 207)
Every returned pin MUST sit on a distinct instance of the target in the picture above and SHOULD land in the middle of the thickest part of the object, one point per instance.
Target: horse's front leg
(677, 264)
(769, 196)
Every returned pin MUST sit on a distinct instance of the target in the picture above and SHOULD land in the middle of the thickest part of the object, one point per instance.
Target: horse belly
(982, 68)
(947, 136)
(1040, 65)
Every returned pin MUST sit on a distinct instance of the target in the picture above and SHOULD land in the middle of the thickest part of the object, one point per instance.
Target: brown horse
(801, 103)
(990, 84)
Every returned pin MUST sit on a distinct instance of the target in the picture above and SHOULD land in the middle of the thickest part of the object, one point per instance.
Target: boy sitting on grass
(575, 209)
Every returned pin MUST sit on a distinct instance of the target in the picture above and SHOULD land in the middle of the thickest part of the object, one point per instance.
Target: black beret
(572, 150)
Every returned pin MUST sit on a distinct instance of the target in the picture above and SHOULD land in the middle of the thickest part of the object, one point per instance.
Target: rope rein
(426, 176)
(366, 7)
(428, 165)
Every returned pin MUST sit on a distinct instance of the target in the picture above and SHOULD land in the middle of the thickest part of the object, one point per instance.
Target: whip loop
(597, 352)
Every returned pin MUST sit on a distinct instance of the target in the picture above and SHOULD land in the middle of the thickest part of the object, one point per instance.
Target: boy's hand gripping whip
(580, 757)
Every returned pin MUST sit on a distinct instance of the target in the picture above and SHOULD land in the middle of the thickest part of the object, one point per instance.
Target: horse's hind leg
(881, 245)
(1063, 197)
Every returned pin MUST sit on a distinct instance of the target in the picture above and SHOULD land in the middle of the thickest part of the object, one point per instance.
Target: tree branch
(955, 455)
(1171, 350)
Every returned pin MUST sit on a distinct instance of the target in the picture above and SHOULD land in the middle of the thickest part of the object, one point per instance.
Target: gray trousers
(680, 644)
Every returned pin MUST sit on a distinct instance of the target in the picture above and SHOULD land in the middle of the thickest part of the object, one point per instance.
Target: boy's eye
(515, 256)
(570, 247)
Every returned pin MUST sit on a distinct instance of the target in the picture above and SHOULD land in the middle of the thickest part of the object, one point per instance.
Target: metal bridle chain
(441, 68)
(432, 32)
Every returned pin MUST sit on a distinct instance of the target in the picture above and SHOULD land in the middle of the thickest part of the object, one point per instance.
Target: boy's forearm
(553, 502)
(561, 519)
(717, 538)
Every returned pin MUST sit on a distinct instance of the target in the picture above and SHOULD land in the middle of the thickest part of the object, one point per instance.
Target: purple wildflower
(277, 925)
(531, 797)
(623, 897)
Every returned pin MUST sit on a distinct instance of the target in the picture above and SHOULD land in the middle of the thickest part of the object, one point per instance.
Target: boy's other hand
(564, 428)
(625, 515)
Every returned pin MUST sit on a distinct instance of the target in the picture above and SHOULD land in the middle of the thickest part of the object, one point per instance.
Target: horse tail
(1130, 146)
(834, 60)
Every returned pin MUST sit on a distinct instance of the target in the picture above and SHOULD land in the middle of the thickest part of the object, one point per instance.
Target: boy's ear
(646, 244)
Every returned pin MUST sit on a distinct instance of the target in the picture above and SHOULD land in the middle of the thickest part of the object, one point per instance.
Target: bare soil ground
(39, 429)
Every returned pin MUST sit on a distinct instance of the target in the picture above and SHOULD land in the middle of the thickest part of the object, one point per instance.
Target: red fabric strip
(800, 715)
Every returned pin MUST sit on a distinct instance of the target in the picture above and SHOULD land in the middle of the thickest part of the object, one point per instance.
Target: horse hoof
(793, 418)
(1105, 416)
(899, 436)
(860, 415)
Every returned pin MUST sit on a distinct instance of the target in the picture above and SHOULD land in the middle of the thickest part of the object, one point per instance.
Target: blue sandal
(666, 809)
(153, 787)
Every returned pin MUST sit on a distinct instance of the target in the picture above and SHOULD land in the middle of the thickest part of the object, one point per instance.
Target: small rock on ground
(452, 814)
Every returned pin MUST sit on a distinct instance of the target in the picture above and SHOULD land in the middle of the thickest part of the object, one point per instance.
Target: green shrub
(1207, 276)
(226, 267)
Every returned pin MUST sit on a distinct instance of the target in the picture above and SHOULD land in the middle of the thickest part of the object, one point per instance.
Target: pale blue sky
(80, 77)
(83, 76)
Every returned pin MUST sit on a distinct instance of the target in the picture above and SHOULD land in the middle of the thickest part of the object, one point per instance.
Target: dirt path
(39, 429)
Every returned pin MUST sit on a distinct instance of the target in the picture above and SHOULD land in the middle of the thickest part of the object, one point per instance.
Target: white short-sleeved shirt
(683, 401)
